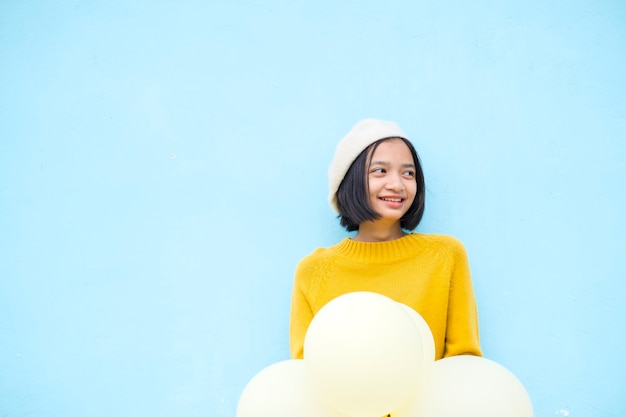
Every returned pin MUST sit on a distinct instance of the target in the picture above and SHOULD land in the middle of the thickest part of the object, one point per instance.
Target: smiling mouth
(393, 200)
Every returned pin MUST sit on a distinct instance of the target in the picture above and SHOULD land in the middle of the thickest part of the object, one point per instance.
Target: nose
(394, 183)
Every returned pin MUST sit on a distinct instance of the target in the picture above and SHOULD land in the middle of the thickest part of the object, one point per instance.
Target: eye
(378, 170)
(409, 173)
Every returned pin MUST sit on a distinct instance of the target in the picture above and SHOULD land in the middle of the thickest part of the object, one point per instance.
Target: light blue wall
(162, 169)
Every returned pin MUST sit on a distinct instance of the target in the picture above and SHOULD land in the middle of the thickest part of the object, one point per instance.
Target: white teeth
(395, 200)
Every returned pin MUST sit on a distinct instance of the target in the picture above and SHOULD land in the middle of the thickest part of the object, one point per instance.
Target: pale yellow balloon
(365, 354)
(282, 390)
(428, 342)
(469, 386)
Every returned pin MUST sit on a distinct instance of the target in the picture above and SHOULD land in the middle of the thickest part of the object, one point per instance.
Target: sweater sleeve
(462, 337)
(300, 317)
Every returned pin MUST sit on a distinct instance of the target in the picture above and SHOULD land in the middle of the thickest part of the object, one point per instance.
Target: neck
(378, 232)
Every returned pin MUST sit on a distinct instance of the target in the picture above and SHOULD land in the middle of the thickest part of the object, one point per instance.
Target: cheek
(410, 184)
(412, 188)
(374, 184)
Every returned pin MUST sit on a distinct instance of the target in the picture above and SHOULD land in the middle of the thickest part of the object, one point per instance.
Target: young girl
(377, 188)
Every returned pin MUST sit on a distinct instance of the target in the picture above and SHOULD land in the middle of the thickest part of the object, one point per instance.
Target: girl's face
(391, 179)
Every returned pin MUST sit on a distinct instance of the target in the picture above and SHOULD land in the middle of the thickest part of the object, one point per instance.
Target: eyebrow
(385, 163)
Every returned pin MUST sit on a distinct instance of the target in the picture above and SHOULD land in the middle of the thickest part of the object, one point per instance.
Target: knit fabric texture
(362, 135)
(430, 273)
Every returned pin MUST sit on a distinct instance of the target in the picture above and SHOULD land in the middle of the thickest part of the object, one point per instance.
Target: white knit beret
(362, 135)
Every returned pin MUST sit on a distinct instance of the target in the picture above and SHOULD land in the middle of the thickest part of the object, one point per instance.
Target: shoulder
(313, 259)
(316, 261)
(445, 245)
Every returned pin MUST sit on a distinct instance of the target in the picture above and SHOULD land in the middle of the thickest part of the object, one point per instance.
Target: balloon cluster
(369, 356)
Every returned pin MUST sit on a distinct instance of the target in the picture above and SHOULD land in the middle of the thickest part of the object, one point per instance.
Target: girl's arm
(462, 337)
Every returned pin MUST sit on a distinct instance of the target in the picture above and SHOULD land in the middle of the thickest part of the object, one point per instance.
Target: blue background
(163, 170)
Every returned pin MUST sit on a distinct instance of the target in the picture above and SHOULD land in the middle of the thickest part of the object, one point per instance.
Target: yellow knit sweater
(427, 272)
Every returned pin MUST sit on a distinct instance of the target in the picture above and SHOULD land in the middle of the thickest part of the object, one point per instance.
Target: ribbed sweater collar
(379, 252)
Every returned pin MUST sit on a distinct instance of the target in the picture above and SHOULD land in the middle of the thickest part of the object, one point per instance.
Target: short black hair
(353, 192)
